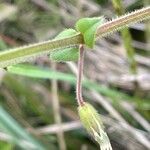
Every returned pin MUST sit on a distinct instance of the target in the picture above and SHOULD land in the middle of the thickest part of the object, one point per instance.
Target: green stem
(123, 21)
(26, 53)
(127, 39)
(146, 3)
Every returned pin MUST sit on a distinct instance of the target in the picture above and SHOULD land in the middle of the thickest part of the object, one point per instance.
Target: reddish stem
(79, 76)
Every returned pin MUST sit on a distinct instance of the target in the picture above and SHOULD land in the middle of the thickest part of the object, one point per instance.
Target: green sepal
(92, 122)
(65, 54)
(88, 28)
(90, 118)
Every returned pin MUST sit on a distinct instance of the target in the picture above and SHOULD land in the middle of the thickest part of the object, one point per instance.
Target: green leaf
(46, 73)
(39, 72)
(88, 27)
(66, 34)
(66, 54)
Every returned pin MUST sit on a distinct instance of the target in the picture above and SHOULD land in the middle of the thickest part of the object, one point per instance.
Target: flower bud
(89, 117)
(92, 122)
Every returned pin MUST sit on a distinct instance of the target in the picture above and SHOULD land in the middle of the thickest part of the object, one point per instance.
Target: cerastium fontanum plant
(69, 46)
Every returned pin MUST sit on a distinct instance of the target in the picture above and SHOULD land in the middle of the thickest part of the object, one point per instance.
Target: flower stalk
(89, 117)
(80, 76)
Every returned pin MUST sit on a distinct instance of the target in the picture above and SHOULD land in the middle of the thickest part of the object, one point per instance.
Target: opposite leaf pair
(87, 27)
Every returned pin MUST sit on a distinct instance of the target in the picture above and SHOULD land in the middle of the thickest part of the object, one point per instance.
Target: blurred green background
(38, 109)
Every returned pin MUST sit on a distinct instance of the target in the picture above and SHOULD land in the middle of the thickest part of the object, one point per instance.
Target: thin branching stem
(80, 76)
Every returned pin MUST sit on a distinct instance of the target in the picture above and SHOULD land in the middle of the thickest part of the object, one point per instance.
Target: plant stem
(79, 76)
(127, 39)
(26, 53)
(123, 21)
(56, 111)
(146, 3)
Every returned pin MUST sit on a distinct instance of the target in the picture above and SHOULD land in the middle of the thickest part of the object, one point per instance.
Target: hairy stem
(26, 53)
(123, 21)
(79, 77)
(127, 39)
(146, 3)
